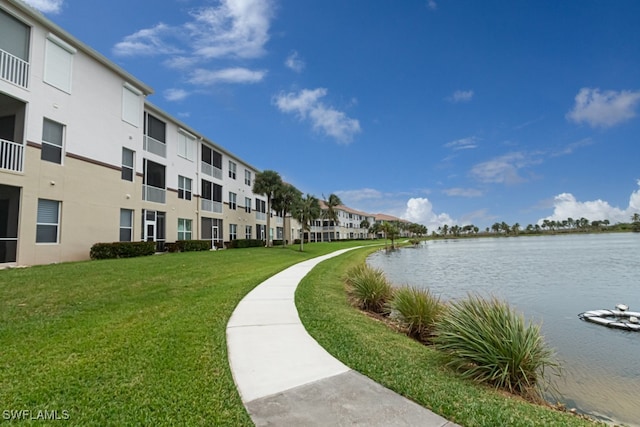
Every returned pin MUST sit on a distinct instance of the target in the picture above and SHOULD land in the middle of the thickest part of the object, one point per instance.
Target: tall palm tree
(306, 210)
(331, 212)
(284, 202)
(365, 224)
(267, 183)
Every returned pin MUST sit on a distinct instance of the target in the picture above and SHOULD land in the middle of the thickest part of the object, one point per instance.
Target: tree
(331, 212)
(635, 218)
(284, 201)
(306, 210)
(267, 183)
(365, 224)
(375, 229)
(390, 232)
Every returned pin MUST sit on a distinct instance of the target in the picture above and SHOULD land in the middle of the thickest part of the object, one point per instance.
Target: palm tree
(267, 183)
(375, 229)
(365, 224)
(306, 210)
(390, 232)
(285, 199)
(331, 213)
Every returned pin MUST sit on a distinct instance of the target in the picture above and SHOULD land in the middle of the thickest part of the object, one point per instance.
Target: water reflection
(550, 279)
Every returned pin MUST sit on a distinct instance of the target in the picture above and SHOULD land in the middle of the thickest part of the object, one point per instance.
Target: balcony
(154, 146)
(261, 216)
(153, 194)
(211, 206)
(211, 170)
(11, 156)
(14, 70)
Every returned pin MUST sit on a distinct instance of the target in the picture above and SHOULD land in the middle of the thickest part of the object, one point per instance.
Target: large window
(155, 139)
(233, 201)
(247, 177)
(14, 50)
(186, 144)
(52, 141)
(247, 204)
(127, 164)
(58, 63)
(126, 225)
(184, 229)
(211, 162)
(48, 221)
(247, 232)
(233, 231)
(184, 188)
(211, 197)
(232, 169)
(154, 188)
(131, 105)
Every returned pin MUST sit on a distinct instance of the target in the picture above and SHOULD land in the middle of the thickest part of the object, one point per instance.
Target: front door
(150, 226)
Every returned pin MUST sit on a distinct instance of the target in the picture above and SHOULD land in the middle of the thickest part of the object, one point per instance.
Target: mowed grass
(133, 341)
(402, 364)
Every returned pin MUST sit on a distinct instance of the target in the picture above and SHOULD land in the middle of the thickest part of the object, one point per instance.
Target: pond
(551, 279)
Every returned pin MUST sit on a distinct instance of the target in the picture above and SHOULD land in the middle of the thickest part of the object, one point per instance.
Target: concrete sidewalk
(285, 378)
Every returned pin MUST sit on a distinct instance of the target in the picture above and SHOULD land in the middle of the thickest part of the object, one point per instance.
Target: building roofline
(36, 15)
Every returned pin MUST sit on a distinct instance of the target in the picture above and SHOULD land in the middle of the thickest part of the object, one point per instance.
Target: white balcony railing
(211, 170)
(154, 194)
(154, 146)
(261, 216)
(11, 156)
(211, 206)
(13, 69)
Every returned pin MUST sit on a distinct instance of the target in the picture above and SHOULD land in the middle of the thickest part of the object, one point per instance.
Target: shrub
(488, 342)
(122, 250)
(369, 287)
(188, 246)
(417, 309)
(245, 243)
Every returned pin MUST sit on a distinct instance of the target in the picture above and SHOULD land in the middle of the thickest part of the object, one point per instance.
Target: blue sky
(437, 111)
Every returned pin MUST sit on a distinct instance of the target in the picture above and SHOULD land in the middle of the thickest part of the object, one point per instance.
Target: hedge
(244, 243)
(189, 246)
(122, 250)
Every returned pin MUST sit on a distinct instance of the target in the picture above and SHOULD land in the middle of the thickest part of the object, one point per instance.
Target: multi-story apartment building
(84, 158)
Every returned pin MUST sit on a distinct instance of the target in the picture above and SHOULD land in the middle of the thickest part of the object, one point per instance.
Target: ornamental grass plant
(489, 342)
(369, 288)
(417, 309)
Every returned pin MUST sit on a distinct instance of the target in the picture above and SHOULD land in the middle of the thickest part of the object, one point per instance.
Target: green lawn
(401, 364)
(132, 341)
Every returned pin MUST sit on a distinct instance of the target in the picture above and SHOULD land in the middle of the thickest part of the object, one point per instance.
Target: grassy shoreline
(401, 364)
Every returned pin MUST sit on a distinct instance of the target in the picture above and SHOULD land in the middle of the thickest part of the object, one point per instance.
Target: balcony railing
(211, 206)
(13, 69)
(211, 170)
(153, 194)
(261, 216)
(11, 156)
(154, 146)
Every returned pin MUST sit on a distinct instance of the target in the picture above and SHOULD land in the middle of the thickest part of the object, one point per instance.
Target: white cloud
(462, 192)
(228, 75)
(603, 109)
(294, 62)
(420, 211)
(461, 96)
(570, 148)
(431, 4)
(175, 94)
(463, 144)
(502, 170)
(46, 6)
(566, 206)
(355, 196)
(148, 42)
(306, 105)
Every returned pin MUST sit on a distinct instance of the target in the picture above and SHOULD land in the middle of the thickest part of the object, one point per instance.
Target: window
(247, 205)
(186, 144)
(14, 40)
(131, 103)
(261, 206)
(247, 232)
(127, 164)
(155, 135)
(211, 162)
(52, 137)
(48, 221)
(247, 177)
(279, 233)
(126, 225)
(232, 170)
(211, 197)
(154, 188)
(233, 232)
(184, 229)
(261, 231)
(58, 63)
(232, 201)
(184, 188)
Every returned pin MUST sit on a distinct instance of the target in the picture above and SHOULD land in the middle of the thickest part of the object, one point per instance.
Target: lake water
(551, 279)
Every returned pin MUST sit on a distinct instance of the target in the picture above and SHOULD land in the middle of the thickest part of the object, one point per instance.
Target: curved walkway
(285, 378)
